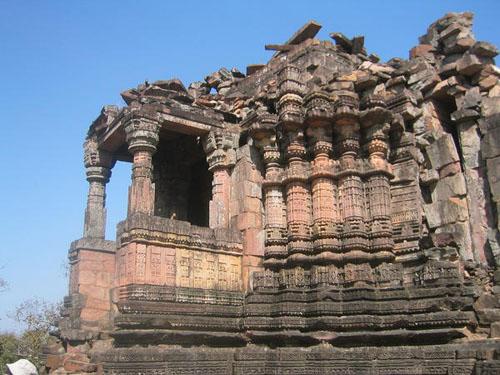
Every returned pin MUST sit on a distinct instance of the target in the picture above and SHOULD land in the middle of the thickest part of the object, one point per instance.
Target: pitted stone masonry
(324, 213)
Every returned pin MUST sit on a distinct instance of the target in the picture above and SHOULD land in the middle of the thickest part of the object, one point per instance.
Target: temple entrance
(183, 183)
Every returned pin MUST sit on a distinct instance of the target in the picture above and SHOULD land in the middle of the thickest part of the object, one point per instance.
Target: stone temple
(324, 213)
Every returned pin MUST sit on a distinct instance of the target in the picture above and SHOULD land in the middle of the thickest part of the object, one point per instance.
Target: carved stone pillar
(142, 138)
(221, 157)
(351, 190)
(319, 115)
(376, 124)
(98, 165)
(298, 197)
(263, 133)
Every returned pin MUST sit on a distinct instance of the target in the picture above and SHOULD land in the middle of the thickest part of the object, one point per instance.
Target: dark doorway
(183, 183)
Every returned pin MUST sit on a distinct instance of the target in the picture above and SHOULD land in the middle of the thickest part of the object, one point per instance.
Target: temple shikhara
(324, 213)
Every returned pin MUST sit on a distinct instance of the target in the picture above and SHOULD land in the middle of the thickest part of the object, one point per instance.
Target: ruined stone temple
(324, 213)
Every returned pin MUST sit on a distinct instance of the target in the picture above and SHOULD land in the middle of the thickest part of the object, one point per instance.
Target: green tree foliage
(39, 319)
(9, 343)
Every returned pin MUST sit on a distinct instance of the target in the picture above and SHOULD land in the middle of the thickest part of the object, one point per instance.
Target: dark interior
(183, 183)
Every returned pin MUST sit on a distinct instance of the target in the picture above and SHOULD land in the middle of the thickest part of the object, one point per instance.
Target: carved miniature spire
(319, 118)
(375, 122)
(298, 195)
(263, 133)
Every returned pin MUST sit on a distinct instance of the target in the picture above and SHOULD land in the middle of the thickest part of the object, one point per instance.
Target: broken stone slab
(365, 81)
(308, 31)
(493, 166)
(484, 49)
(429, 122)
(236, 73)
(461, 234)
(130, 96)
(471, 99)
(490, 106)
(358, 43)
(469, 65)
(396, 81)
(279, 47)
(443, 239)
(470, 143)
(462, 19)
(458, 44)
(487, 83)
(428, 177)
(490, 146)
(462, 115)
(171, 84)
(451, 186)
(441, 89)
(442, 152)
(254, 68)
(374, 58)
(421, 50)
(197, 89)
(447, 211)
(495, 91)
(452, 30)
(343, 41)
(424, 80)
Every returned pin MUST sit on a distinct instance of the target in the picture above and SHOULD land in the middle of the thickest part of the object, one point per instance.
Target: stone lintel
(170, 118)
(183, 125)
(308, 31)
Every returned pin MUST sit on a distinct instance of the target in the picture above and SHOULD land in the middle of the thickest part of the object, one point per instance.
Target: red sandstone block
(252, 189)
(98, 303)
(54, 361)
(73, 366)
(450, 169)
(252, 261)
(96, 292)
(93, 314)
(249, 220)
(420, 50)
(251, 204)
(253, 242)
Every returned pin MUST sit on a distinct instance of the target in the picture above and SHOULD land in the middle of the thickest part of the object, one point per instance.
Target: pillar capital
(320, 140)
(220, 147)
(142, 134)
(98, 163)
(318, 109)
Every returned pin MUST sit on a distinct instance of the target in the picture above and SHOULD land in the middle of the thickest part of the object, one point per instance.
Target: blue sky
(61, 61)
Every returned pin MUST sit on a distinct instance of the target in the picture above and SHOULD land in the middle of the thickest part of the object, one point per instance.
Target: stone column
(319, 116)
(142, 137)
(98, 165)
(263, 133)
(351, 190)
(298, 196)
(221, 157)
(376, 124)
